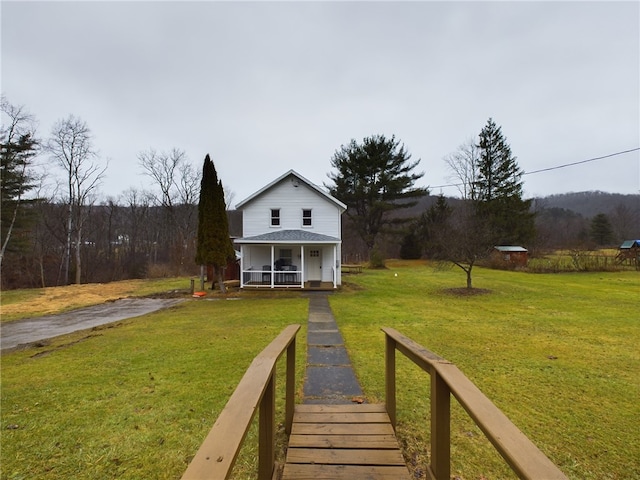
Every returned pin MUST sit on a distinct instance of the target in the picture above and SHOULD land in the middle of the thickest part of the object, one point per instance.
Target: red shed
(511, 254)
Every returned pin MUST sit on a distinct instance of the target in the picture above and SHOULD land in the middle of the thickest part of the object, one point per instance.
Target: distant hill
(589, 204)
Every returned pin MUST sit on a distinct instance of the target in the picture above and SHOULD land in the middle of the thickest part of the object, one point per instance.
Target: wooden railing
(524, 458)
(256, 391)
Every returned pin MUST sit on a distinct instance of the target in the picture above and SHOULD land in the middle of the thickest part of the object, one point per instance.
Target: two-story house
(291, 236)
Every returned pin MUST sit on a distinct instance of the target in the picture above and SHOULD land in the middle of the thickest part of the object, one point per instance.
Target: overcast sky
(265, 87)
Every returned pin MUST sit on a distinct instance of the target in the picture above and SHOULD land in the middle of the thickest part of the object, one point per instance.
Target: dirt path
(20, 332)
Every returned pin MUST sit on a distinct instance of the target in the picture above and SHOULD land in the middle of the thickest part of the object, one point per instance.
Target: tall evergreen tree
(214, 244)
(601, 230)
(432, 223)
(498, 190)
(18, 146)
(374, 178)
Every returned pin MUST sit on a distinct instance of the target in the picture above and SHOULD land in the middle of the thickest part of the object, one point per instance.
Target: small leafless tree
(463, 164)
(71, 147)
(462, 239)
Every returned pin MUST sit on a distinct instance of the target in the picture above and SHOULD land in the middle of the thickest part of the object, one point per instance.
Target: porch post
(302, 266)
(273, 259)
(241, 266)
(335, 266)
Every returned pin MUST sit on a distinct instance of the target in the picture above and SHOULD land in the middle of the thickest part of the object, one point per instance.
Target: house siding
(291, 201)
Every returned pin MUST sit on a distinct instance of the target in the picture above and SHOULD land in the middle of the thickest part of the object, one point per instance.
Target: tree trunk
(78, 256)
(201, 278)
(469, 278)
(67, 248)
(220, 272)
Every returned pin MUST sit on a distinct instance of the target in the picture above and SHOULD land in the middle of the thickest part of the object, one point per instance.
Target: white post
(273, 259)
(302, 266)
(335, 266)
(241, 266)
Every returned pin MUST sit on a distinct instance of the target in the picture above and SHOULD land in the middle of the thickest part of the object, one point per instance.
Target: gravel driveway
(21, 332)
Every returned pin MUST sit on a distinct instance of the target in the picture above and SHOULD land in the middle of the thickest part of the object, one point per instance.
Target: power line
(553, 168)
(582, 161)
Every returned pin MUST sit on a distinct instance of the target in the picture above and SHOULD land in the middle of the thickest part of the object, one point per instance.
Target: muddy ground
(28, 331)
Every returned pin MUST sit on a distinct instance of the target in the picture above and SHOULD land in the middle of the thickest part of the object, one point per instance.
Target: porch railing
(256, 391)
(524, 458)
(268, 278)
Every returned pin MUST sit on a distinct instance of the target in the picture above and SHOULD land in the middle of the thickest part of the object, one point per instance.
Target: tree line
(66, 234)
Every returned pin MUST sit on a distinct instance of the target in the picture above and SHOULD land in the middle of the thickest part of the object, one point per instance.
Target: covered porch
(290, 259)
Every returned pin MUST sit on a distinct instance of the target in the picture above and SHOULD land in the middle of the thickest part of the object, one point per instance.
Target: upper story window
(306, 218)
(275, 217)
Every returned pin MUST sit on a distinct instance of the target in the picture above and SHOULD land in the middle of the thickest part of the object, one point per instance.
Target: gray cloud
(264, 87)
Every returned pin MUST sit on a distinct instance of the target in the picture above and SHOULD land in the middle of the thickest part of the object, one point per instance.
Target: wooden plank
(351, 441)
(335, 456)
(351, 407)
(347, 417)
(342, 429)
(344, 441)
(352, 472)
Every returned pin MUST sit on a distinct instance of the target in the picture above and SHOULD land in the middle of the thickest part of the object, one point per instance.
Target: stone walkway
(330, 378)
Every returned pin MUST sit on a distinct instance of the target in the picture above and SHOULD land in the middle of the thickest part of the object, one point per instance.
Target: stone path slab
(330, 378)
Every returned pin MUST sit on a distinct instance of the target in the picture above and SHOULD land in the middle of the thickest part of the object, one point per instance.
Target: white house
(291, 236)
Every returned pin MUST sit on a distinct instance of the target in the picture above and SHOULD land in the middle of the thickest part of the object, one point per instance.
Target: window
(275, 217)
(285, 256)
(306, 218)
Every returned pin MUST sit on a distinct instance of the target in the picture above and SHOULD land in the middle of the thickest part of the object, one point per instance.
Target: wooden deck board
(343, 441)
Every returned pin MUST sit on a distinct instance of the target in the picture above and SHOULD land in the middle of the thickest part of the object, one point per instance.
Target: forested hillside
(562, 222)
(589, 204)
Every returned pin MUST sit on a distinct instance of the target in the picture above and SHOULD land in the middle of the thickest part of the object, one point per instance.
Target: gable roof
(630, 244)
(300, 178)
(289, 236)
(510, 248)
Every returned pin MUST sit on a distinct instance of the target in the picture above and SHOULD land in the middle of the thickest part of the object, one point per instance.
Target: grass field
(557, 353)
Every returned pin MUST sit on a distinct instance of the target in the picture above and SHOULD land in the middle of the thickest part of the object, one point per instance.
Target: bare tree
(462, 238)
(71, 147)
(625, 221)
(178, 184)
(463, 164)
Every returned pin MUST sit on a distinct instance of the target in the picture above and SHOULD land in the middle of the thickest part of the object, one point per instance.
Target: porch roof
(290, 236)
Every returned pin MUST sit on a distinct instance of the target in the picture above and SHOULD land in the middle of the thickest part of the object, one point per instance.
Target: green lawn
(557, 353)
(135, 401)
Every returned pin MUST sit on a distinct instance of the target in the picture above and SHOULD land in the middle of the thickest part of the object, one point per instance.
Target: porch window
(285, 256)
(275, 217)
(306, 217)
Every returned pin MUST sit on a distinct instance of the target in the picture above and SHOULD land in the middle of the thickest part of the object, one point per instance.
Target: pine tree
(214, 244)
(601, 231)
(498, 190)
(18, 146)
(374, 178)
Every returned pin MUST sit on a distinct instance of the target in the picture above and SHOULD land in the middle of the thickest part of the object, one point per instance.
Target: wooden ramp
(343, 441)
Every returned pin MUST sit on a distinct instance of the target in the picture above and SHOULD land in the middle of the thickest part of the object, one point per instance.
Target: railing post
(440, 427)
(390, 378)
(290, 387)
(267, 431)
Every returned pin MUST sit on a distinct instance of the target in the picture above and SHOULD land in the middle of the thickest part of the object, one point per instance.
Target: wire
(582, 161)
(553, 168)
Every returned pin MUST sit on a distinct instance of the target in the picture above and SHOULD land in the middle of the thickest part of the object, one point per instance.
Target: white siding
(291, 200)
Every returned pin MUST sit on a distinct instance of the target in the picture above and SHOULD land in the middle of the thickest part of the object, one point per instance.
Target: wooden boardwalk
(343, 441)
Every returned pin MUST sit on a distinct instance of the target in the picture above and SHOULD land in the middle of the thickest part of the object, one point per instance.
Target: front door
(314, 265)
